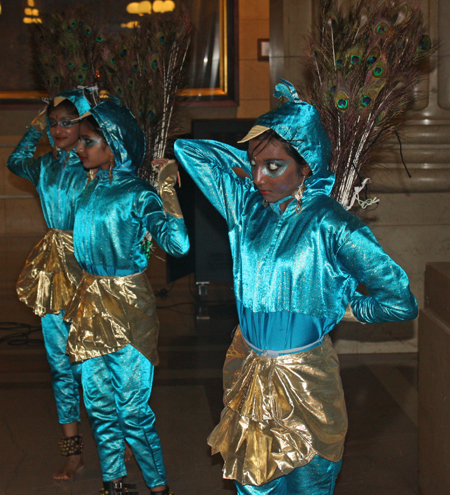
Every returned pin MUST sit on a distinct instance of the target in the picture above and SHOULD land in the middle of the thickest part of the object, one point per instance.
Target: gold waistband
(108, 313)
(279, 412)
(50, 275)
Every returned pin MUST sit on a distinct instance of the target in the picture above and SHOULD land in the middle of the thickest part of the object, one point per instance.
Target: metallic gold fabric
(108, 313)
(50, 275)
(279, 412)
(166, 181)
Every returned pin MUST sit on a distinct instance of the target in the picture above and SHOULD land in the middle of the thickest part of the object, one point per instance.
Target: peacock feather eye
(119, 90)
(56, 80)
(74, 24)
(123, 52)
(342, 104)
(342, 101)
(84, 66)
(151, 114)
(373, 56)
(355, 54)
(378, 70)
(382, 28)
(130, 83)
(424, 43)
(154, 64)
(99, 38)
(339, 62)
(399, 43)
(88, 31)
(112, 61)
(70, 65)
(135, 65)
(67, 28)
(81, 77)
(332, 90)
(380, 117)
(366, 101)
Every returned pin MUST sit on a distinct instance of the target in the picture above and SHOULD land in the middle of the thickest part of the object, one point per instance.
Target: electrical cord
(20, 335)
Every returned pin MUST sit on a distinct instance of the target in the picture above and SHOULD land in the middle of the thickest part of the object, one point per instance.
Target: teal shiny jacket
(112, 217)
(295, 273)
(58, 180)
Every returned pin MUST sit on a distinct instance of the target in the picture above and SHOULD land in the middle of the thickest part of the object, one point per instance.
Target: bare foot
(128, 453)
(73, 465)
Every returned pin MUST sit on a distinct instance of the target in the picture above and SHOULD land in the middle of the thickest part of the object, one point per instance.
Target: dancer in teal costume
(116, 341)
(297, 260)
(59, 179)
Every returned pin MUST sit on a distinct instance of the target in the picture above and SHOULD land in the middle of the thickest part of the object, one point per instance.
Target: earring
(299, 196)
(111, 165)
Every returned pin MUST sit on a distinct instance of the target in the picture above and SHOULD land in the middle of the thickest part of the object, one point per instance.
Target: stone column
(413, 217)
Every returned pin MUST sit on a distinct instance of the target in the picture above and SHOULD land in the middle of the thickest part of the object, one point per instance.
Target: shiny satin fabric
(113, 216)
(59, 178)
(309, 262)
(108, 313)
(318, 477)
(50, 275)
(66, 377)
(279, 412)
(116, 391)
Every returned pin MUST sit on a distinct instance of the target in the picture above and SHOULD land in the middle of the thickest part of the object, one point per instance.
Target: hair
(93, 126)
(66, 104)
(269, 136)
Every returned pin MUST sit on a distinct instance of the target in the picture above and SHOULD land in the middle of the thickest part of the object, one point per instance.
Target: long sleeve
(210, 164)
(390, 298)
(168, 231)
(21, 161)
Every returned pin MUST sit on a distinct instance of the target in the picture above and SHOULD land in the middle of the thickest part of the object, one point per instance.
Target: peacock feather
(365, 65)
(68, 49)
(144, 68)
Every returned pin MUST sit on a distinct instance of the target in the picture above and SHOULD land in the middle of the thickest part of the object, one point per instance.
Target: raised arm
(21, 161)
(210, 164)
(390, 298)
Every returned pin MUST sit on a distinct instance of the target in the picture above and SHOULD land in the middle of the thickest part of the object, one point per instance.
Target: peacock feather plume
(67, 49)
(144, 68)
(365, 64)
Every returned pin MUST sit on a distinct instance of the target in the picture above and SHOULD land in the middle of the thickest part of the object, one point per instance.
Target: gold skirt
(279, 412)
(50, 275)
(108, 313)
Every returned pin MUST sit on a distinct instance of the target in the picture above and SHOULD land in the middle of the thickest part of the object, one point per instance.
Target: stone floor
(381, 392)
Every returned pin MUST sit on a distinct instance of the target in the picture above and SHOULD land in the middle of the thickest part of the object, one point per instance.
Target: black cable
(20, 335)
(401, 154)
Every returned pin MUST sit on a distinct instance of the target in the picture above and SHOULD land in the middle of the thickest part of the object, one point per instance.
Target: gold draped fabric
(167, 179)
(50, 275)
(279, 412)
(108, 313)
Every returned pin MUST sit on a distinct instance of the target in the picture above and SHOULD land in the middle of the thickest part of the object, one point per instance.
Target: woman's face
(274, 171)
(62, 130)
(94, 153)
